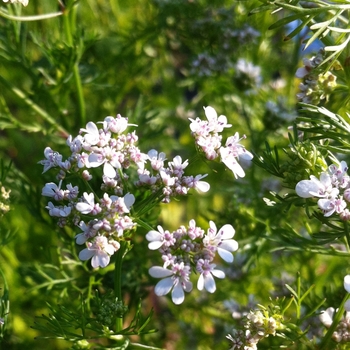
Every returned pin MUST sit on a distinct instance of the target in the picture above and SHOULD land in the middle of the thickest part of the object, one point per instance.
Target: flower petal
(164, 286)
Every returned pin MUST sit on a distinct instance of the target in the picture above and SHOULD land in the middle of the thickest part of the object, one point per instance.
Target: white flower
(317, 187)
(159, 238)
(157, 160)
(109, 157)
(347, 283)
(52, 190)
(176, 279)
(61, 211)
(326, 317)
(53, 159)
(221, 241)
(23, 2)
(89, 205)
(116, 125)
(199, 186)
(206, 279)
(216, 124)
(92, 136)
(100, 251)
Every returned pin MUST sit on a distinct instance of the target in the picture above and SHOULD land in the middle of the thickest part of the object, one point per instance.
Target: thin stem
(30, 18)
(338, 316)
(118, 280)
(19, 93)
(69, 26)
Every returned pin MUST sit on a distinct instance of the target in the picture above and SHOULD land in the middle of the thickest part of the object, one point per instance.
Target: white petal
(229, 244)
(129, 200)
(327, 317)
(227, 231)
(304, 187)
(159, 272)
(218, 273)
(81, 238)
(200, 282)
(109, 171)
(225, 255)
(155, 245)
(210, 113)
(84, 208)
(202, 186)
(209, 283)
(347, 283)
(178, 294)
(101, 259)
(347, 305)
(95, 160)
(164, 286)
(153, 236)
(86, 254)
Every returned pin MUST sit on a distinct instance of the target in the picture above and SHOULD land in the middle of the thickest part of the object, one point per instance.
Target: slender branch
(30, 18)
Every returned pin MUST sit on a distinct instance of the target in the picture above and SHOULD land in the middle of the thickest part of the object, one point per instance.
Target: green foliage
(65, 63)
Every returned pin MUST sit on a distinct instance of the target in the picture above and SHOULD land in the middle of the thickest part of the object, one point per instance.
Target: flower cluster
(208, 139)
(316, 85)
(332, 189)
(23, 2)
(103, 211)
(259, 324)
(187, 249)
(342, 330)
(4, 200)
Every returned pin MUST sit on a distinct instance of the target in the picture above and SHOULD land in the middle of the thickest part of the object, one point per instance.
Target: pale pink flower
(176, 279)
(99, 251)
(207, 271)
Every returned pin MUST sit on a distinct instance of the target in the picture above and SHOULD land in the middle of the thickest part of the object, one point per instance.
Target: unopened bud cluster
(316, 85)
(4, 200)
(259, 324)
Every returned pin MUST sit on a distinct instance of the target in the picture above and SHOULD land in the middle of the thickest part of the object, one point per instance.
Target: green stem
(336, 319)
(19, 93)
(30, 18)
(69, 25)
(118, 280)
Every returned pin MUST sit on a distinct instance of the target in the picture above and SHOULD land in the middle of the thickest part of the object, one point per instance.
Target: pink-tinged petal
(225, 255)
(86, 254)
(227, 231)
(209, 283)
(159, 272)
(229, 244)
(178, 294)
(155, 245)
(304, 187)
(164, 286)
(347, 283)
(109, 171)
